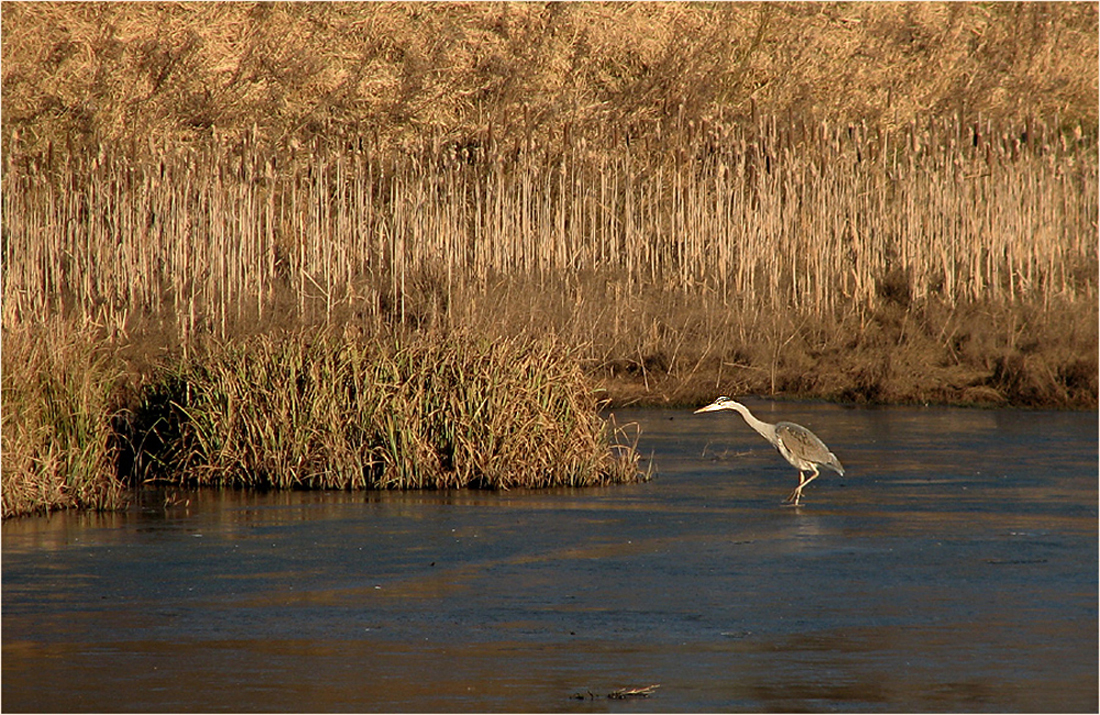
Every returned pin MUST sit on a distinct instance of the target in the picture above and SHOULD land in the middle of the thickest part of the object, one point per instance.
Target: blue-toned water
(953, 568)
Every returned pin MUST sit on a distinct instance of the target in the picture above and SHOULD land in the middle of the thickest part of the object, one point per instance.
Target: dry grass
(85, 74)
(676, 189)
(57, 422)
(316, 410)
(817, 220)
(197, 168)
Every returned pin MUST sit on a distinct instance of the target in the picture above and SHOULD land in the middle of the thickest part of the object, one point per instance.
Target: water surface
(953, 568)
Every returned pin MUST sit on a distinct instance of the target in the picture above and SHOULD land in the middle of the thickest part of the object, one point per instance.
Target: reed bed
(779, 216)
(58, 437)
(317, 410)
(643, 183)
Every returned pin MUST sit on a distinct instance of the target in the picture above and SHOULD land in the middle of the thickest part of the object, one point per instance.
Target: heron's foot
(794, 498)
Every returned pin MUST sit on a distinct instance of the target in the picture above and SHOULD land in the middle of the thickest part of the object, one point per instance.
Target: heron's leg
(815, 476)
(797, 493)
(802, 482)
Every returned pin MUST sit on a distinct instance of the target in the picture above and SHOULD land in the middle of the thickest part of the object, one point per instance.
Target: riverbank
(85, 415)
(978, 355)
(310, 409)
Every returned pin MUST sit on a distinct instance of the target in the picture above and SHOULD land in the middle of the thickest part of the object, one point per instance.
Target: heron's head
(722, 403)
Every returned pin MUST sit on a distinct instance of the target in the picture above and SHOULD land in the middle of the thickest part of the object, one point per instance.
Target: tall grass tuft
(57, 422)
(313, 409)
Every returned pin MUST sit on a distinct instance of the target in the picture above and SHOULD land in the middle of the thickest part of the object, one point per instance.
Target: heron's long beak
(711, 407)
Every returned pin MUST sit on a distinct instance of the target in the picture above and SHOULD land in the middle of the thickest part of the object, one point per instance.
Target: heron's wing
(805, 445)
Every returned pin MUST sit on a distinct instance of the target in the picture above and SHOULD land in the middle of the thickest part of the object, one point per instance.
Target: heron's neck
(767, 431)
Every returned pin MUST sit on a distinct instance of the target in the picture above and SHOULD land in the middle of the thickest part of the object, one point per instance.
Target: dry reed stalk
(813, 219)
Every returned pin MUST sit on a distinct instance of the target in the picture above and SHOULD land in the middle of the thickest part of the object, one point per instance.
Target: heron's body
(798, 445)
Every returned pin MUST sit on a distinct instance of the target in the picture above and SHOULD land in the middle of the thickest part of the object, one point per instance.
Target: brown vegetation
(869, 202)
(58, 449)
(331, 411)
(820, 260)
(310, 409)
(121, 74)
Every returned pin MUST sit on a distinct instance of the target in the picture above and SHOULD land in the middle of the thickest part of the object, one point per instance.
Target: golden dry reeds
(77, 75)
(678, 188)
(58, 449)
(313, 409)
(813, 219)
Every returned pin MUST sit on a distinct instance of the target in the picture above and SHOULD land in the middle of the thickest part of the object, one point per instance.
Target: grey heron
(798, 445)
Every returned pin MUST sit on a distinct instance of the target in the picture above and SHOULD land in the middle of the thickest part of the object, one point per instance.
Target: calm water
(954, 568)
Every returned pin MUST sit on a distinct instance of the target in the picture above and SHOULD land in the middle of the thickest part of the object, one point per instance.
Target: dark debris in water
(1014, 562)
(620, 694)
(736, 634)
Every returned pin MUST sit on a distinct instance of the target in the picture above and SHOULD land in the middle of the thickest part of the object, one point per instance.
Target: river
(953, 568)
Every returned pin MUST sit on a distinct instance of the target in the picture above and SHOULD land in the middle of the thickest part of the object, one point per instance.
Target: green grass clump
(57, 434)
(314, 410)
